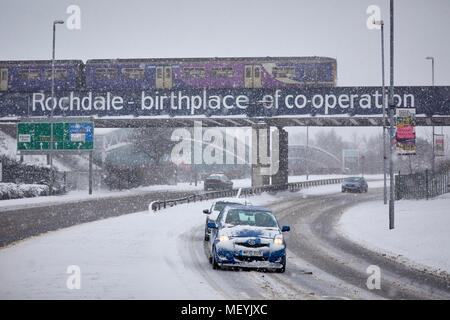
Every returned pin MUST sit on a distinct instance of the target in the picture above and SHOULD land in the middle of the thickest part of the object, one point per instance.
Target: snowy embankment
(15, 191)
(421, 236)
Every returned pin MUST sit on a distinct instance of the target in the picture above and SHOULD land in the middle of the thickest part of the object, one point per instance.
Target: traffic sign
(35, 136)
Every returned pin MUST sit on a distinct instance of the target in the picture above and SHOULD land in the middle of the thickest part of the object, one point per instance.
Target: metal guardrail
(293, 186)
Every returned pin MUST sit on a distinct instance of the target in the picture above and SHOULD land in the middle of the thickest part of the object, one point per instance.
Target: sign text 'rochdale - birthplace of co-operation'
(223, 102)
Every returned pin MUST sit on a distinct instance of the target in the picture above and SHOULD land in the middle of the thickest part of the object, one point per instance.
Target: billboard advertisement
(406, 131)
(439, 145)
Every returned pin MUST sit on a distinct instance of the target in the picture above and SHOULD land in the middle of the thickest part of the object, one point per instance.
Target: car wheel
(214, 263)
(282, 269)
(206, 237)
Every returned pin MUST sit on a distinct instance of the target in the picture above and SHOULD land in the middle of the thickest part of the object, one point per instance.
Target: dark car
(218, 181)
(354, 184)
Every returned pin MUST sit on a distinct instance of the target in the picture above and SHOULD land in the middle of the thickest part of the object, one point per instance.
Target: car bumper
(270, 259)
(358, 188)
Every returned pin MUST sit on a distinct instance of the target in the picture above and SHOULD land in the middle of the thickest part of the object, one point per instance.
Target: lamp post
(381, 24)
(432, 83)
(307, 152)
(53, 106)
(391, 119)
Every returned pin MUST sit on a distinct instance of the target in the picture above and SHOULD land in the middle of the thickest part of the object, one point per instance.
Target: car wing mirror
(285, 229)
(212, 225)
(206, 211)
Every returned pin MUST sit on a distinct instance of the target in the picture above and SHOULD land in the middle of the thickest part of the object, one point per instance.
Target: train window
(105, 74)
(320, 73)
(257, 72)
(159, 73)
(60, 74)
(310, 74)
(132, 73)
(284, 72)
(4, 75)
(194, 72)
(168, 72)
(222, 72)
(29, 74)
(248, 72)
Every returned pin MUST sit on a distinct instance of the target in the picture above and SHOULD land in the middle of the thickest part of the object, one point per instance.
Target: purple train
(214, 73)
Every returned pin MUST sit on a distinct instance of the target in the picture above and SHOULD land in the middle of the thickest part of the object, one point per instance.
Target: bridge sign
(35, 136)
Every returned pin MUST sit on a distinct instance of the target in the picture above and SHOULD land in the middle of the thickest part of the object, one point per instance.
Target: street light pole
(391, 119)
(432, 83)
(381, 24)
(53, 106)
(307, 152)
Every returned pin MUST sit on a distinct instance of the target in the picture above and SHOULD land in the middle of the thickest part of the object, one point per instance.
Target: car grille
(248, 259)
(255, 245)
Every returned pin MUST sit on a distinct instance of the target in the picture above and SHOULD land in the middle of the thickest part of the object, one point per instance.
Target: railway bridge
(267, 111)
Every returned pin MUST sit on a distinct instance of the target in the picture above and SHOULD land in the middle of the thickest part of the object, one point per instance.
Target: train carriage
(143, 74)
(213, 73)
(35, 75)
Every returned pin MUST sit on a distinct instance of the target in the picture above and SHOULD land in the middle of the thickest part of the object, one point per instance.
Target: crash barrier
(421, 185)
(293, 186)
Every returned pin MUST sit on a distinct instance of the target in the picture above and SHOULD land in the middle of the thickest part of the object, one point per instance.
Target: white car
(217, 207)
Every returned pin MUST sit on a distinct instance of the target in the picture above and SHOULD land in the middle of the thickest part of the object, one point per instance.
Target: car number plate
(252, 253)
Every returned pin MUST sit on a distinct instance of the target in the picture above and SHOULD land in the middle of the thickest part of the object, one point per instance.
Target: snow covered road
(162, 255)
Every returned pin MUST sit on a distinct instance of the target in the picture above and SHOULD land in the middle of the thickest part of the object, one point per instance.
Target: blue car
(247, 237)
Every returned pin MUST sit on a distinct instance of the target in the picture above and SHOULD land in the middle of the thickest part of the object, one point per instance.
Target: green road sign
(35, 136)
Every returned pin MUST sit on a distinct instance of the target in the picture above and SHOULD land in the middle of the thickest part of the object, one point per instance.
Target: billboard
(406, 131)
(439, 145)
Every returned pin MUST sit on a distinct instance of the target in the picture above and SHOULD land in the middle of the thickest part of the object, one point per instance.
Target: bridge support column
(280, 176)
(260, 155)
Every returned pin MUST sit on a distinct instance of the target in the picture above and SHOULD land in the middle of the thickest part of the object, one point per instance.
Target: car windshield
(257, 218)
(353, 179)
(216, 177)
(221, 204)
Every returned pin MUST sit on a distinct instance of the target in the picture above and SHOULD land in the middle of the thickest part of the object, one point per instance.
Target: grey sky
(209, 28)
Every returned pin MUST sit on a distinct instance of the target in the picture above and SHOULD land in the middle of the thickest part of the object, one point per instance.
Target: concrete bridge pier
(260, 157)
(280, 164)
(269, 155)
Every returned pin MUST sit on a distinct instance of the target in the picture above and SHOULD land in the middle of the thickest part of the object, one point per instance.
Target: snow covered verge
(16, 191)
(420, 239)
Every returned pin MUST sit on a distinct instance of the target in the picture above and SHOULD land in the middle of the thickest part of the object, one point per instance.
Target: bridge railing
(250, 191)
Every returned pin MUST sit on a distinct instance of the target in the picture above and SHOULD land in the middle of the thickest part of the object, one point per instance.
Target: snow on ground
(421, 235)
(134, 256)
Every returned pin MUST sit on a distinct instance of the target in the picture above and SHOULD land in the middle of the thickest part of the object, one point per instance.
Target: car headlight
(224, 238)
(278, 240)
